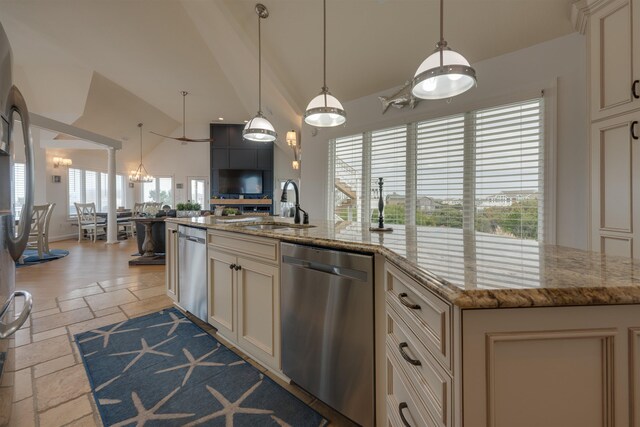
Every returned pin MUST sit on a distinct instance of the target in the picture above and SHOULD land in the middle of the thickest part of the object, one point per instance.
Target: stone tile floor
(51, 386)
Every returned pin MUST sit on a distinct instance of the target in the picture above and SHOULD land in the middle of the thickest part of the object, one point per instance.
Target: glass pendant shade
(433, 81)
(325, 111)
(259, 129)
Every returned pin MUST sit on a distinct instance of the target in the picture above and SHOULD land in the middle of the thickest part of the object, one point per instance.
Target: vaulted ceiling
(78, 60)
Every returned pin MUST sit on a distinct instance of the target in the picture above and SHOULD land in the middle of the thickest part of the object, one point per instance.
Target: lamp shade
(259, 129)
(325, 111)
(433, 81)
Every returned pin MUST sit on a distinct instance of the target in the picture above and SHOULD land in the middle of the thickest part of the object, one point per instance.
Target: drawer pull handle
(634, 89)
(238, 267)
(405, 356)
(402, 406)
(232, 266)
(634, 135)
(404, 302)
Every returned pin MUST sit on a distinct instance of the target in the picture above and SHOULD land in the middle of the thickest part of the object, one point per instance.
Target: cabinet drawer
(400, 399)
(433, 383)
(256, 247)
(428, 316)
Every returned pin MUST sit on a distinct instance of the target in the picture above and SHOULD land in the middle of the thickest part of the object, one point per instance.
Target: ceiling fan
(184, 138)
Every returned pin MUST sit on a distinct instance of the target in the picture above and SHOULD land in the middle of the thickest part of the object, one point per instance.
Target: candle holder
(380, 227)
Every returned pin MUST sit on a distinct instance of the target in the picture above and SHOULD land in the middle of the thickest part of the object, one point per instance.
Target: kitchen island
(482, 330)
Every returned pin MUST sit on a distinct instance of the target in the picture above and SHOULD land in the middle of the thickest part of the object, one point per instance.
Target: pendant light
(184, 138)
(259, 129)
(445, 73)
(140, 174)
(325, 110)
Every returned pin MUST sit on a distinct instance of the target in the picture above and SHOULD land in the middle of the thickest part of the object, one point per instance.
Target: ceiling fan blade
(182, 138)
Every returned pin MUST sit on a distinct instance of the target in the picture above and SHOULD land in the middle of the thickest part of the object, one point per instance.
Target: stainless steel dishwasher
(327, 327)
(192, 270)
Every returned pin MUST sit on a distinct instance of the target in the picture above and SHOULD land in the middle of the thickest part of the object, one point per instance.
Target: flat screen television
(240, 181)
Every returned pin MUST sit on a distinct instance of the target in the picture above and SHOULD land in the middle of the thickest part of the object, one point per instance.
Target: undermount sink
(274, 226)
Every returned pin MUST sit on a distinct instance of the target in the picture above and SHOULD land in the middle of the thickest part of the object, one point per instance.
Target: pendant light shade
(325, 110)
(259, 129)
(445, 73)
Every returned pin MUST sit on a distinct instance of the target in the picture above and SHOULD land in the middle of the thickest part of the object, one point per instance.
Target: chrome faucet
(296, 218)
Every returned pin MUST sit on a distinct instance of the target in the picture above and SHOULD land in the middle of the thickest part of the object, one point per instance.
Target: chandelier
(140, 174)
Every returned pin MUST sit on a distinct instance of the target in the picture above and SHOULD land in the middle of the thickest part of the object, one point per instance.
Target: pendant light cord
(442, 43)
(259, 67)
(184, 122)
(140, 126)
(324, 29)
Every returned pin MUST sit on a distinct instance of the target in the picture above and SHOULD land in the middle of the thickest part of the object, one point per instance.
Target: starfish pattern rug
(163, 370)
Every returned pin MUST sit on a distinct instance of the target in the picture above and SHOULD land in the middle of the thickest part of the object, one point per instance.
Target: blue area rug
(162, 369)
(30, 256)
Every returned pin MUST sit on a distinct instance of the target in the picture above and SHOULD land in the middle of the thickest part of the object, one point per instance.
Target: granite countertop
(470, 270)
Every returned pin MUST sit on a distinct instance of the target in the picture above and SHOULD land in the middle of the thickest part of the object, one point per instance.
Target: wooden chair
(38, 225)
(130, 226)
(47, 221)
(88, 221)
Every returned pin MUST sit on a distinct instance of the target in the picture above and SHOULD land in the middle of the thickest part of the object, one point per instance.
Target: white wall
(558, 66)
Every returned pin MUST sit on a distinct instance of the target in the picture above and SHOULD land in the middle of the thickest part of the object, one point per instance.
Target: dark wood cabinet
(230, 151)
(243, 158)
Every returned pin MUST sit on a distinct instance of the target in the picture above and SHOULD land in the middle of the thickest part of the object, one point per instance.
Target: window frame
(157, 189)
(83, 189)
(548, 98)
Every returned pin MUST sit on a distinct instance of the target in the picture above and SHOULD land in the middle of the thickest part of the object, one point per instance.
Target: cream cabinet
(244, 293)
(614, 57)
(613, 33)
(615, 185)
(419, 345)
(171, 260)
(552, 366)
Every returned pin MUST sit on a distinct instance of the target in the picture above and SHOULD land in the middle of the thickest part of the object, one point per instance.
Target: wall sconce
(292, 138)
(59, 161)
(292, 141)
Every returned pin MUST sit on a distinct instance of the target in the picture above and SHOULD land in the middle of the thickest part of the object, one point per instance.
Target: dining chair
(47, 221)
(38, 224)
(88, 221)
(130, 226)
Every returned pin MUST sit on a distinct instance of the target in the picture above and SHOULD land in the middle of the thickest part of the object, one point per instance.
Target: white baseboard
(63, 237)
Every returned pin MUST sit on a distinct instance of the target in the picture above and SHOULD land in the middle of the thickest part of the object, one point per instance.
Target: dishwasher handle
(326, 268)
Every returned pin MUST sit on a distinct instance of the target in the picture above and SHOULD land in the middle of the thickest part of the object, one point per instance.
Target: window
(85, 186)
(19, 177)
(159, 190)
(197, 191)
(482, 170)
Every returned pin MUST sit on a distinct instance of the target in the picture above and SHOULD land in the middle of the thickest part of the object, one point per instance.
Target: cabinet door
(615, 186)
(259, 311)
(220, 135)
(235, 137)
(243, 158)
(614, 58)
(171, 257)
(222, 294)
(552, 366)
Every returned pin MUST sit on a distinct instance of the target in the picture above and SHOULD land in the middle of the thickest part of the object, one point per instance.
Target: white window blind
(75, 192)
(388, 161)
(482, 170)
(120, 195)
(91, 187)
(509, 172)
(347, 184)
(440, 172)
(104, 192)
(18, 188)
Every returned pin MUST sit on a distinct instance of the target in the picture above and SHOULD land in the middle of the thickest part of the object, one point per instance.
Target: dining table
(149, 254)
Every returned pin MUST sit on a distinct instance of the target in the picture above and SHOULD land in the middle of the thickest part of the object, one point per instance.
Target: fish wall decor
(399, 99)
